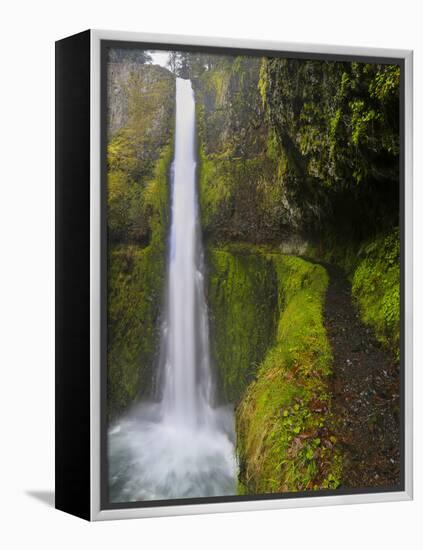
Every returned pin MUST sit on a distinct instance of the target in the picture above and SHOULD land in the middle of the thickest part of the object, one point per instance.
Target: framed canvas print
(233, 275)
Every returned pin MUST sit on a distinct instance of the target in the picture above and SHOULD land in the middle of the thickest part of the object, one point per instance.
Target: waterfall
(182, 445)
(187, 376)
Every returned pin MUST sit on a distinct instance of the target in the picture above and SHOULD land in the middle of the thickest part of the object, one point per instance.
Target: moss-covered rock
(140, 151)
(337, 125)
(297, 146)
(134, 294)
(273, 360)
(242, 293)
(241, 200)
(135, 288)
(373, 267)
(241, 191)
(376, 288)
(141, 108)
(305, 153)
(284, 440)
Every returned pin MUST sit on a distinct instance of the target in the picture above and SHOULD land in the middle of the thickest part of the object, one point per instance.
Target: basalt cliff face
(297, 159)
(337, 126)
(141, 101)
(241, 189)
(298, 173)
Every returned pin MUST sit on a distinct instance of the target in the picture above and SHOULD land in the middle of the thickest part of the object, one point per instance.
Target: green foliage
(376, 287)
(128, 55)
(283, 422)
(386, 83)
(360, 119)
(135, 289)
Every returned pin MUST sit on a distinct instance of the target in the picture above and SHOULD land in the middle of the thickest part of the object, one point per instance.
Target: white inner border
(95, 241)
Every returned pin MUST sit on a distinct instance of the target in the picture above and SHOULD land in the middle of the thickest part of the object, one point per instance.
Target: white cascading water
(187, 388)
(181, 446)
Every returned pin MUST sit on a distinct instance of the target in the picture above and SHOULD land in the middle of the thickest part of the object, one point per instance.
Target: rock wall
(337, 125)
(296, 157)
(140, 150)
(242, 194)
(242, 293)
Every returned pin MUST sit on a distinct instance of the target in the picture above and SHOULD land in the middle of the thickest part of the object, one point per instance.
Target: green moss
(273, 359)
(283, 422)
(376, 287)
(241, 194)
(135, 289)
(141, 101)
(373, 267)
(135, 148)
(217, 83)
(241, 294)
(338, 126)
(214, 190)
(156, 198)
(134, 294)
(239, 198)
(263, 81)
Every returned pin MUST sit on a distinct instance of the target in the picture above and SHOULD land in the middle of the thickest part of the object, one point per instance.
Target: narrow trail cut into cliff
(365, 389)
